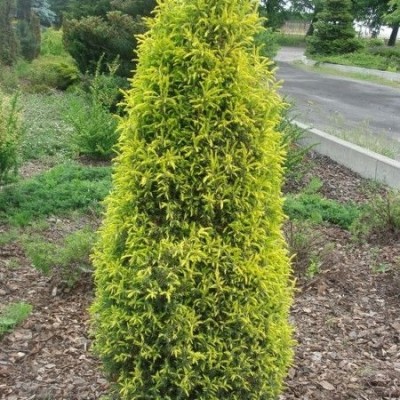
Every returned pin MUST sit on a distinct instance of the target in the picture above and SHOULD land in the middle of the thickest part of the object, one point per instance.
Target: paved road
(332, 103)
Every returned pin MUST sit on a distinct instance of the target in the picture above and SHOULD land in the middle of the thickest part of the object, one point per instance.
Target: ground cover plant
(62, 189)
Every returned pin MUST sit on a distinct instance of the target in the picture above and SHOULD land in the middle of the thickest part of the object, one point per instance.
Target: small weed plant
(11, 132)
(308, 250)
(380, 216)
(294, 165)
(12, 315)
(66, 263)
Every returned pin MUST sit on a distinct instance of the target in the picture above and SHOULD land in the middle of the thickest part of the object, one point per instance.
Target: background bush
(108, 38)
(50, 72)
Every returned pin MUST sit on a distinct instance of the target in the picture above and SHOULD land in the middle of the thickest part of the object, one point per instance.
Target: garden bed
(346, 313)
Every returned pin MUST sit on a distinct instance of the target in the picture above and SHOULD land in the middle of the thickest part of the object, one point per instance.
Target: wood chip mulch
(346, 317)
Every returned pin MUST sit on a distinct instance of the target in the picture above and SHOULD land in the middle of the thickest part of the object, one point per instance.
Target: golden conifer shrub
(192, 275)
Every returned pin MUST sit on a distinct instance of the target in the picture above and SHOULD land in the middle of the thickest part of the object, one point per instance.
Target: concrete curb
(391, 76)
(368, 164)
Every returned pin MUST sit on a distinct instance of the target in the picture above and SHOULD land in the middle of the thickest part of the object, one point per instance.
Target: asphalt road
(333, 103)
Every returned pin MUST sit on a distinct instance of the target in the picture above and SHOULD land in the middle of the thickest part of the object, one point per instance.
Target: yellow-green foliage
(11, 131)
(192, 274)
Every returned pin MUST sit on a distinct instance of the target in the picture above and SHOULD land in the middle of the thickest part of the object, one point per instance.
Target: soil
(346, 318)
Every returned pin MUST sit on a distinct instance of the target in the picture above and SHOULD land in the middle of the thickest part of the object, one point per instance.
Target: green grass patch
(288, 40)
(64, 188)
(313, 207)
(12, 315)
(381, 58)
(10, 236)
(46, 132)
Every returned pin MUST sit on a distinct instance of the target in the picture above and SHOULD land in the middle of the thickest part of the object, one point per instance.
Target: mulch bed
(347, 320)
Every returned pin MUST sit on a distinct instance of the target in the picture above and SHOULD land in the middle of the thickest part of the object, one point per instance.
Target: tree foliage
(275, 11)
(371, 13)
(191, 268)
(108, 36)
(8, 42)
(28, 30)
(83, 8)
(43, 10)
(334, 32)
(393, 15)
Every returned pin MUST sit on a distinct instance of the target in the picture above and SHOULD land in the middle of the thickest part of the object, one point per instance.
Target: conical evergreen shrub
(192, 275)
(334, 32)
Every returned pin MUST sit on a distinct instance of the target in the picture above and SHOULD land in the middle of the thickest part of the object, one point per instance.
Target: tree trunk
(310, 29)
(393, 35)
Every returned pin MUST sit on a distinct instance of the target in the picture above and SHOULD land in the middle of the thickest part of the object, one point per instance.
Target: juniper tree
(192, 275)
(28, 30)
(8, 43)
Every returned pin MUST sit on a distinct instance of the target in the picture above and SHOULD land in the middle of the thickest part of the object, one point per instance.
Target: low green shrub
(49, 72)
(317, 209)
(391, 54)
(12, 315)
(94, 130)
(11, 131)
(66, 263)
(63, 189)
(374, 42)
(106, 88)
(377, 57)
(9, 81)
(89, 38)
